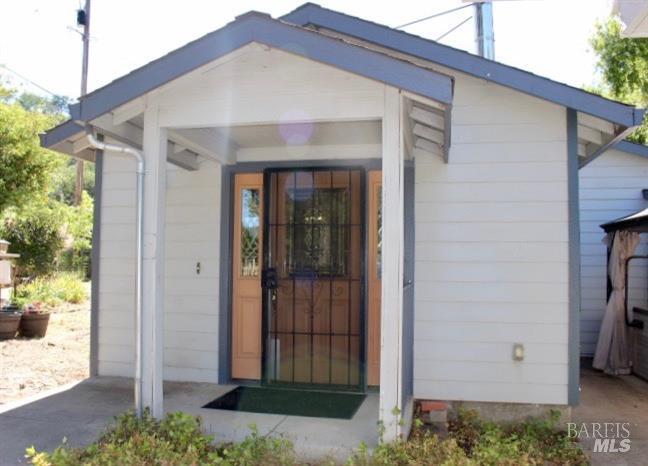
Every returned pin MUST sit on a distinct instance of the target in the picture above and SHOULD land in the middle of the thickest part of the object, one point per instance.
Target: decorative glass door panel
(312, 278)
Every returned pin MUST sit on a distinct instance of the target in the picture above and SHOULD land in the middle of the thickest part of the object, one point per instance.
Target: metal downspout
(139, 157)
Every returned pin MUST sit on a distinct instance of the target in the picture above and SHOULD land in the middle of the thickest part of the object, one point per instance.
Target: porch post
(155, 146)
(393, 167)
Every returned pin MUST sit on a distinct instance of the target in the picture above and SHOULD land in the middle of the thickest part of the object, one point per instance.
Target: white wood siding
(491, 252)
(610, 187)
(191, 300)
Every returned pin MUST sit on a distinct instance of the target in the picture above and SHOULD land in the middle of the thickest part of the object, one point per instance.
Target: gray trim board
(407, 356)
(227, 218)
(573, 394)
(261, 28)
(515, 78)
(60, 133)
(225, 288)
(632, 148)
(95, 263)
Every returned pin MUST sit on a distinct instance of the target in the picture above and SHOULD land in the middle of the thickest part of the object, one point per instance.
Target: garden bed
(30, 366)
(178, 440)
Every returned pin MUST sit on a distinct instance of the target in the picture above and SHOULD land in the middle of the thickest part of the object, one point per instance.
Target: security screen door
(312, 280)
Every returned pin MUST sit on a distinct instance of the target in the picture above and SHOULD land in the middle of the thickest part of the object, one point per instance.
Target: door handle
(269, 282)
(269, 278)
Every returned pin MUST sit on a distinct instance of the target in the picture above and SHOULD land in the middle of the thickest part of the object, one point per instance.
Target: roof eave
(261, 28)
(524, 81)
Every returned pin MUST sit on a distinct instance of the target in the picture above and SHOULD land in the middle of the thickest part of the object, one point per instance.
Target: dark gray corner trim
(460, 60)
(225, 289)
(573, 394)
(632, 148)
(95, 264)
(60, 133)
(261, 28)
(227, 218)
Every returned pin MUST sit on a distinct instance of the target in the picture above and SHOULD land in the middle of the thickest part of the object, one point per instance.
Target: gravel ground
(28, 367)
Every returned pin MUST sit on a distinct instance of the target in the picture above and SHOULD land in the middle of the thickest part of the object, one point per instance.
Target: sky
(39, 39)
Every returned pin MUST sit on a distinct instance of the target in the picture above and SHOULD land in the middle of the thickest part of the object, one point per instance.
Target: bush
(35, 233)
(80, 228)
(537, 441)
(423, 448)
(176, 440)
(475, 442)
(53, 290)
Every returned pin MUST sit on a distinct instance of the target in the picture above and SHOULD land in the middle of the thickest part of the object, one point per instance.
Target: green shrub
(53, 290)
(475, 442)
(35, 233)
(423, 448)
(177, 440)
(537, 441)
(80, 229)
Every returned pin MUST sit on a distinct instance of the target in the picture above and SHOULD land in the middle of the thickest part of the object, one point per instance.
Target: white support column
(155, 148)
(393, 167)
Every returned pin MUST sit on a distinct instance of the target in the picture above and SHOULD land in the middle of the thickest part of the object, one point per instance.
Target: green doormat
(289, 402)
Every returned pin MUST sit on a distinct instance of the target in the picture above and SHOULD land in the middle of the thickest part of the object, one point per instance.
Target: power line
(436, 15)
(453, 29)
(25, 78)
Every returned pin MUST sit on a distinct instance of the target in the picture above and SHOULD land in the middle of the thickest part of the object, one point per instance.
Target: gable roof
(261, 28)
(515, 78)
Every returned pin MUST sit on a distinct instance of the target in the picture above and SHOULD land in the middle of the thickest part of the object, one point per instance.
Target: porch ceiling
(316, 134)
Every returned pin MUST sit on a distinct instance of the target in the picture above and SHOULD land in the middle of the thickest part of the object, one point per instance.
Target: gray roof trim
(460, 60)
(60, 133)
(632, 148)
(261, 28)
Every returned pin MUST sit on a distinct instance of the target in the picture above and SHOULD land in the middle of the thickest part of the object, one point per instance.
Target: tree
(623, 63)
(35, 232)
(25, 167)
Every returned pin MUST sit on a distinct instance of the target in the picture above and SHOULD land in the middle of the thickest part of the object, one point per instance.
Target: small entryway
(305, 278)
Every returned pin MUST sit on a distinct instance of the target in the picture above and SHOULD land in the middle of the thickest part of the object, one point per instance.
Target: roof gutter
(139, 222)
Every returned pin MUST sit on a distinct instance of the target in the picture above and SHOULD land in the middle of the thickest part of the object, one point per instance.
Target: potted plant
(9, 322)
(34, 321)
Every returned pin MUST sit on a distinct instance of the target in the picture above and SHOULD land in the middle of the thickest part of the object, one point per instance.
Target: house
(331, 203)
(612, 186)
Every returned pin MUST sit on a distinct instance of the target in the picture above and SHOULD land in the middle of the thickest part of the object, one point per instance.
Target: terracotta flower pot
(34, 325)
(9, 322)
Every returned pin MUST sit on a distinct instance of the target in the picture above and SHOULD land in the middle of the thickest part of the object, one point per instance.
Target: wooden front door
(374, 283)
(246, 276)
(315, 232)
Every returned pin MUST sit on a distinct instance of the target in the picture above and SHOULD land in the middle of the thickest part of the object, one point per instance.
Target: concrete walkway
(81, 412)
(622, 399)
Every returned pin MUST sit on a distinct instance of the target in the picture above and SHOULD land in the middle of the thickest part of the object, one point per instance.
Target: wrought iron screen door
(313, 302)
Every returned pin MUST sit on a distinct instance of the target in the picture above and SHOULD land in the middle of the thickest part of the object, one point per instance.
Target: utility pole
(484, 33)
(83, 19)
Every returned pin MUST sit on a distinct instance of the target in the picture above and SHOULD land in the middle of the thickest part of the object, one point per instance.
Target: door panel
(246, 276)
(374, 284)
(313, 272)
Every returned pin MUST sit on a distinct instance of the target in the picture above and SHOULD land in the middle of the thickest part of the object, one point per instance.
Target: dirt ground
(30, 366)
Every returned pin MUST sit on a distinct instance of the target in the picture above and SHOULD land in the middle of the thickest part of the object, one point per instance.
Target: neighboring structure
(411, 208)
(611, 187)
(634, 15)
